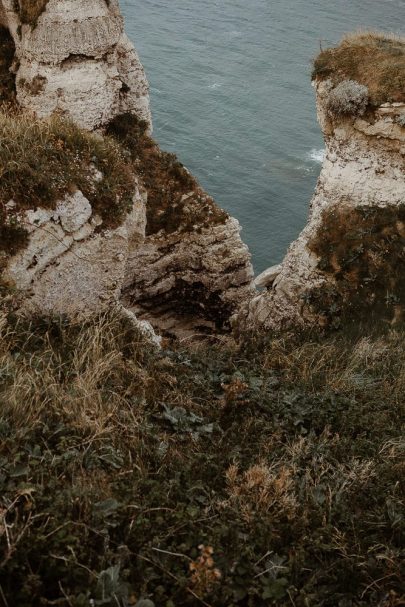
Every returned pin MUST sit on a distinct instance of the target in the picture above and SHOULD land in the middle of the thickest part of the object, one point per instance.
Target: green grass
(268, 474)
(40, 161)
(166, 180)
(376, 60)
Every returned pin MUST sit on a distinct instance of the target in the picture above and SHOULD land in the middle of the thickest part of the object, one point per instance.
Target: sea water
(231, 95)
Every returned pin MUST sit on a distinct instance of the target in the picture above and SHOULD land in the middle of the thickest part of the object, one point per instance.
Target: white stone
(73, 211)
(77, 62)
(363, 167)
(266, 278)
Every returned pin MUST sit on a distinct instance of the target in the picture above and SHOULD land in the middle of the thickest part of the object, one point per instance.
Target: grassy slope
(176, 201)
(266, 475)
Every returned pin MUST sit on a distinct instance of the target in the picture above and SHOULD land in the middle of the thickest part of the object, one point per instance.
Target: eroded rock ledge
(349, 261)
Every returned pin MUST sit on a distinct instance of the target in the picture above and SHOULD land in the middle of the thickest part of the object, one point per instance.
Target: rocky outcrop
(76, 60)
(72, 58)
(194, 280)
(349, 260)
(71, 265)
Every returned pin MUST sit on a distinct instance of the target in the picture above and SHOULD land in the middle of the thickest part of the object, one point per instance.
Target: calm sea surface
(231, 95)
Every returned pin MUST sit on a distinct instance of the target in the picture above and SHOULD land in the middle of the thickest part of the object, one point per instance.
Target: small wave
(317, 155)
(215, 85)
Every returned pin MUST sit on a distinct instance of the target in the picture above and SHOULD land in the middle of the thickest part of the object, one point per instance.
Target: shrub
(348, 98)
(166, 180)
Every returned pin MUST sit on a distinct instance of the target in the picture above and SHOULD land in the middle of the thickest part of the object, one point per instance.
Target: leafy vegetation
(41, 160)
(375, 60)
(175, 200)
(266, 474)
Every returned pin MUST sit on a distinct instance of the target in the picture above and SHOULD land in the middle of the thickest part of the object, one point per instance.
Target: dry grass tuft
(373, 59)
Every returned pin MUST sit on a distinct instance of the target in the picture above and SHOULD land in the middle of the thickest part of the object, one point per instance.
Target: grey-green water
(231, 95)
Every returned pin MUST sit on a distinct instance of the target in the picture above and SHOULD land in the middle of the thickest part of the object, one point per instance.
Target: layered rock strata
(77, 61)
(349, 261)
(72, 266)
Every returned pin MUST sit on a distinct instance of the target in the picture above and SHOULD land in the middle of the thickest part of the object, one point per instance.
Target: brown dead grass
(374, 59)
(176, 202)
(31, 10)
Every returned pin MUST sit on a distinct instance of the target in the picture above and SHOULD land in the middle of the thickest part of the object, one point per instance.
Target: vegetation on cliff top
(265, 475)
(375, 60)
(361, 251)
(175, 199)
(41, 160)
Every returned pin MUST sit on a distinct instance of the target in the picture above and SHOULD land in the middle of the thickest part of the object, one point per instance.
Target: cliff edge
(348, 262)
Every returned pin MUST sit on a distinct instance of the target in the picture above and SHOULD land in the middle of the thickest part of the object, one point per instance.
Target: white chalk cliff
(77, 62)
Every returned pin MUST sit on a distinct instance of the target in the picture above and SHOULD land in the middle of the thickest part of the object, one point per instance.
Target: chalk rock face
(70, 265)
(77, 61)
(350, 257)
(193, 280)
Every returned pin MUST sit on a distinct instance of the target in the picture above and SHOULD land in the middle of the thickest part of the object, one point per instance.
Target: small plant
(204, 575)
(348, 98)
(42, 160)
